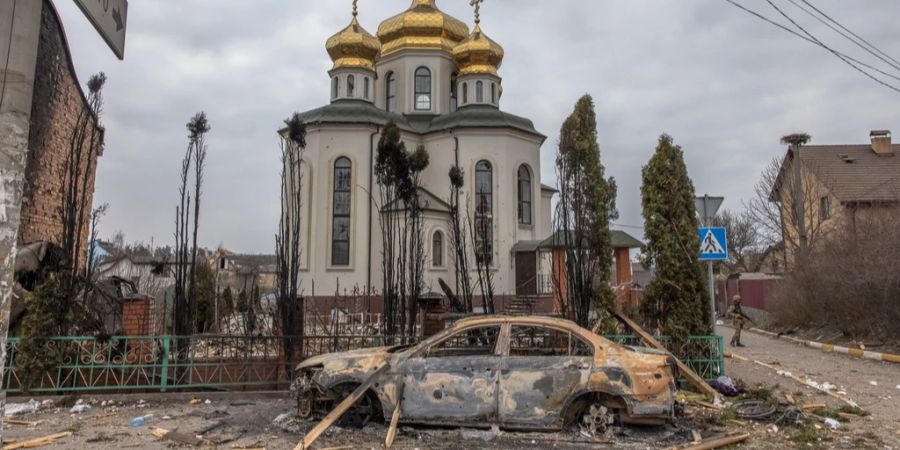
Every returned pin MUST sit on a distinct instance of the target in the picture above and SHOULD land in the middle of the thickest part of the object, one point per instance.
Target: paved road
(871, 384)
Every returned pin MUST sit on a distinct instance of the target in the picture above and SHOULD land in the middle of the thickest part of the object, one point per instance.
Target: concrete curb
(886, 357)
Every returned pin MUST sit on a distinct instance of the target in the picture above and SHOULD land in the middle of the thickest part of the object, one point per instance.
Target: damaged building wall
(58, 101)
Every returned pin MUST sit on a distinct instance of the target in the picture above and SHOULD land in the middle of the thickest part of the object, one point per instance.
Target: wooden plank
(37, 442)
(691, 376)
(716, 443)
(395, 419)
(340, 409)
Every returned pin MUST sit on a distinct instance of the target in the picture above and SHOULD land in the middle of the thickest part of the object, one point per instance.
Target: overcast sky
(724, 84)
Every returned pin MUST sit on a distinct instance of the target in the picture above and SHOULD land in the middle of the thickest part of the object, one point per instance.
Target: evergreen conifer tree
(675, 302)
(586, 207)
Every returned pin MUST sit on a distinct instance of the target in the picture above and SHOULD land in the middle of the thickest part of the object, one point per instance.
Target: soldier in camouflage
(738, 317)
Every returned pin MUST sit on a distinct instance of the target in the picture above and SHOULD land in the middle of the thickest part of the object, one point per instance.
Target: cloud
(725, 85)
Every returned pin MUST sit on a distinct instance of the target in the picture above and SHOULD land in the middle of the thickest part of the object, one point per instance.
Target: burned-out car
(515, 372)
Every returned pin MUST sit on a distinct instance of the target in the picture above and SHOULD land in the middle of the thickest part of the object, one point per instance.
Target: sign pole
(707, 207)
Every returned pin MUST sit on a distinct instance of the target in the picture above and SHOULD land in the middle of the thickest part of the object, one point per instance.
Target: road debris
(715, 443)
(175, 436)
(140, 420)
(38, 442)
(824, 387)
(79, 407)
(195, 401)
(15, 409)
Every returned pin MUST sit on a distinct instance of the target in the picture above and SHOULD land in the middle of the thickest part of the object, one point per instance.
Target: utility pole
(799, 201)
(20, 25)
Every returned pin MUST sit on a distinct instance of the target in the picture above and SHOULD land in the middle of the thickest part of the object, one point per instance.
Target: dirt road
(874, 385)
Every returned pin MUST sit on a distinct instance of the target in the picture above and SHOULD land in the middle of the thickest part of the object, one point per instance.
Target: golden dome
(422, 26)
(478, 54)
(353, 47)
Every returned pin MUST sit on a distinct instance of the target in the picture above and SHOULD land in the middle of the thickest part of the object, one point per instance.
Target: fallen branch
(395, 419)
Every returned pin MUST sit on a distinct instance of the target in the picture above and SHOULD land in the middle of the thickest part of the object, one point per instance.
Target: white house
(439, 82)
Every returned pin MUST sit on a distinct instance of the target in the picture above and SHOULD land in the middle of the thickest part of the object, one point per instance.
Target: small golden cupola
(478, 58)
(422, 26)
(353, 51)
(353, 47)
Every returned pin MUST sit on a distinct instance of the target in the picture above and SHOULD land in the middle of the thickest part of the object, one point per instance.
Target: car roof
(502, 318)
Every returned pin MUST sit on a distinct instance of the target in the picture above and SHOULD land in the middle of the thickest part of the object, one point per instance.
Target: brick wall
(137, 317)
(58, 103)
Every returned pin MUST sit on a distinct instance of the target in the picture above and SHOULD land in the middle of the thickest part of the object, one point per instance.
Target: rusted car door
(543, 368)
(455, 380)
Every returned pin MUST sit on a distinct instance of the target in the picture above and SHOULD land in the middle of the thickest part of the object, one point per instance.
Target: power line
(851, 32)
(845, 58)
(842, 56)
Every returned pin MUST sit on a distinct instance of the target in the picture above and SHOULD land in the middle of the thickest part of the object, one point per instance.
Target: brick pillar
(623, 266)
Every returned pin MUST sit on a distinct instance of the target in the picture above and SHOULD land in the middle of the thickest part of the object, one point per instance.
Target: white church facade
(439, 82)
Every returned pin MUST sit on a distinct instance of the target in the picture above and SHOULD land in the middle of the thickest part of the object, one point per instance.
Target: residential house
(839, 185)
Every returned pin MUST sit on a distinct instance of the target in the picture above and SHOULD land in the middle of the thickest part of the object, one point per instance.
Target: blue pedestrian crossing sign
(713, 244)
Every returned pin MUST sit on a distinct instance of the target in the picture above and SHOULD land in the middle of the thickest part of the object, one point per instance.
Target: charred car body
(516, 372)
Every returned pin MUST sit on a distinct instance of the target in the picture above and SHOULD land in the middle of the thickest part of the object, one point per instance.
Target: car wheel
(597, 421)
(360, 414)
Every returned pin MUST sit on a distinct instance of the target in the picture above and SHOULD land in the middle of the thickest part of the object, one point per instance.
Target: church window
(465, 93)
(524, 191)
(423, 89)
(479, 92)
(366, 88)
(484, 208)
(454, 101)
(351, 85)
(340, 231)
(437, 249)
(334, 87)
(391, 92)
(494, 93)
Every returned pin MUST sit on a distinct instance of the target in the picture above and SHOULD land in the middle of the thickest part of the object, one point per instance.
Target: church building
(439, 82)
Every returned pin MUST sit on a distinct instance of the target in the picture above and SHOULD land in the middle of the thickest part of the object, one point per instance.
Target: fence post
(164, 381)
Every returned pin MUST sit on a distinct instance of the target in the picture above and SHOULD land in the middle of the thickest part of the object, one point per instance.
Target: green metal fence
(169, 363)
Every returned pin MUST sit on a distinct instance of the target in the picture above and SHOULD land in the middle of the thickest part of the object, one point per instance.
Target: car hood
(366, 356)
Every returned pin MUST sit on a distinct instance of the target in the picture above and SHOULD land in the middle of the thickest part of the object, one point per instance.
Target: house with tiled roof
(840, 185)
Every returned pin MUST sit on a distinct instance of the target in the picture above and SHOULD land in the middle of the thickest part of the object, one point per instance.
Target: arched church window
(351, 85)
(334, 87)
(524, 193)
(465, 93)
(366, 88)
(454, 101)
(391, 92)
(494, 93)
(437, 249)
(340, 231)
(484, 209)
(479, 92)
(423, 89)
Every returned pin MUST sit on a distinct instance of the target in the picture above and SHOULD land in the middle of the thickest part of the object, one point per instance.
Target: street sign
(713, 244)
(109, 17)
(707, 207)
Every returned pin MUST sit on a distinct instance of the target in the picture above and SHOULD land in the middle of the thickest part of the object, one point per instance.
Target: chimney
(881, 142)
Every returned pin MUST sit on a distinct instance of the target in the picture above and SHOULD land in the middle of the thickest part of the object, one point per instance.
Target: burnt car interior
(472, 342)
(531, 340)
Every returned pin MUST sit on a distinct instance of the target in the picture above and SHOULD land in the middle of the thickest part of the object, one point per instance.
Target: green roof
(363, 112)
(618, 239)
